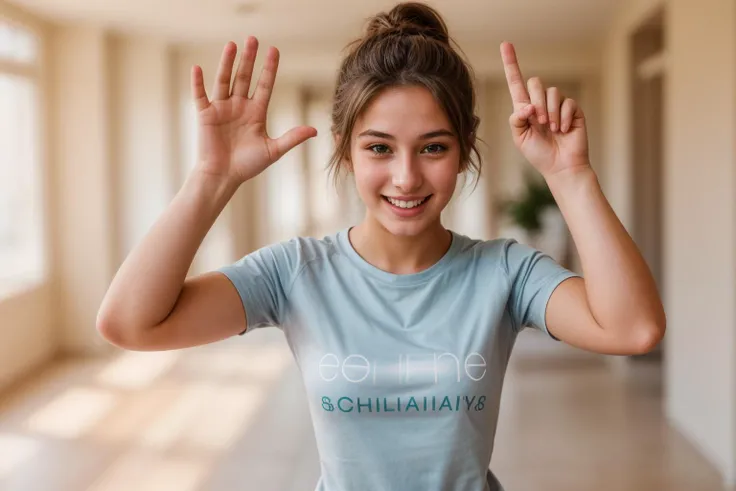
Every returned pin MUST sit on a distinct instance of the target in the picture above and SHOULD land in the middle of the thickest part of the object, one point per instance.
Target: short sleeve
(533, 276)
(263, 279)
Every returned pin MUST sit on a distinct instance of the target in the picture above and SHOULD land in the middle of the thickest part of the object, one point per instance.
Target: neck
(399, 254)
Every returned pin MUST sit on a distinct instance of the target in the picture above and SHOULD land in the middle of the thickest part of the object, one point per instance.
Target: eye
(379, 149)
(434, 148)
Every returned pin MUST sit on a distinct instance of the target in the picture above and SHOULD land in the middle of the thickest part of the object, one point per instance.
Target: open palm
(233, 140)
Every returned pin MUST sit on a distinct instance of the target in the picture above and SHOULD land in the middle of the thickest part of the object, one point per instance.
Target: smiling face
(405, 159)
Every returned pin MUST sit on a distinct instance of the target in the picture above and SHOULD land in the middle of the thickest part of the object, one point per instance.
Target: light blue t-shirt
(403, 373)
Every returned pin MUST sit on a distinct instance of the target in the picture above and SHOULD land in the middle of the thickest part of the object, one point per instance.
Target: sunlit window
(17, 43)
(21, 176)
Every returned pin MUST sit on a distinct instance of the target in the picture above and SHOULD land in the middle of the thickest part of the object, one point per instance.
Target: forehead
(404, 110)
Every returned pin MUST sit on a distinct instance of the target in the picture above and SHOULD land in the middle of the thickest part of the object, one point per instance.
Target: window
(21, 177)
(17, 43)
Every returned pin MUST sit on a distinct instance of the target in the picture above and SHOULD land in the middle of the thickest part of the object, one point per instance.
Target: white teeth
(406, 204)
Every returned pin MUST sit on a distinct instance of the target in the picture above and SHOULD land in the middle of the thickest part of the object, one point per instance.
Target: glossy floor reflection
(232, 416)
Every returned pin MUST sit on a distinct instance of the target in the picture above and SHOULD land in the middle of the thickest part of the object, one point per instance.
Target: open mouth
(407, 208)
(407, 205)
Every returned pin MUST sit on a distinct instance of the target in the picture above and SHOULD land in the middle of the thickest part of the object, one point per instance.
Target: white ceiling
(329, 22)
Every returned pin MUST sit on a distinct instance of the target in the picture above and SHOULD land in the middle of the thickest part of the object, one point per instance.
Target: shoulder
(297, 252)
(498, 252)
(506, 256)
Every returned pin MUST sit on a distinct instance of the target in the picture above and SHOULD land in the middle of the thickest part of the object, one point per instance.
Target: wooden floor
(208, 419)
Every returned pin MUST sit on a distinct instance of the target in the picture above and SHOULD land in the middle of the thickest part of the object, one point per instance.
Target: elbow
(115, 333)
(647, 337)
(109, 330)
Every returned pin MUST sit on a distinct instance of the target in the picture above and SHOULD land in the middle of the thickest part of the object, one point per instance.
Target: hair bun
(410, 18)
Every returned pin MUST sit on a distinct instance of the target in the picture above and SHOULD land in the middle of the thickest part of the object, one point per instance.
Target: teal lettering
(339, 404)
(469, 402)
(412, 402)
(386, 409)
(446, 402)
(369, 406)
(327, 404)
(481, 403)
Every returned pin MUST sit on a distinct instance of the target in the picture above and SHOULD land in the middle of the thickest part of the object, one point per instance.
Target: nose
(406, 174)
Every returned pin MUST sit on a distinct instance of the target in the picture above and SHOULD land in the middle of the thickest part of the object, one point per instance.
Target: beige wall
(700, 161)
(314, 64)
(327, 209)
(142, 120)
(84, 182)
(700, 190)
(27, 334)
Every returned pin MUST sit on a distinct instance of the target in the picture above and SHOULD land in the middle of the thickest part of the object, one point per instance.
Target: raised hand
(548, 128)
(233, 141)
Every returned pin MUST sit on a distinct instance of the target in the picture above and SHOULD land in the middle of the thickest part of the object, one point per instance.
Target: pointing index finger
(519, 94)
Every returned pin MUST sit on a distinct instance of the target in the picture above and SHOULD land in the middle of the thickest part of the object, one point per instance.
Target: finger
(519, 95)
(241, 86)
(199, 94)
(289, 140)
(567, 114)
(520, 119)
(225, 72)
(553, 108)
(538, 98)
(268, 77)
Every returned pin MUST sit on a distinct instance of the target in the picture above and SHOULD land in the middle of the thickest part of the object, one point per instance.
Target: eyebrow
(426, 136)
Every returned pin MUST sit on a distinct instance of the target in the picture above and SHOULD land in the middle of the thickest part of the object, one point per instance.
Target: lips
(406, 202)
(407, 208)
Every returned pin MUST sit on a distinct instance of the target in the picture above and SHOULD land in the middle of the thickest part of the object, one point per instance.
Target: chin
(404, 229)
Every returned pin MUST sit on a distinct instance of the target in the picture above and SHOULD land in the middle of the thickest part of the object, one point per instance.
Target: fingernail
(553, 126)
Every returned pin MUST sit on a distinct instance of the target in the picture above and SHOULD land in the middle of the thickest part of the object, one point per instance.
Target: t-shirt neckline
(364, 266)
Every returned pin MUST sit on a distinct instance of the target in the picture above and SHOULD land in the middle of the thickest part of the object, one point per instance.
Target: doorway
(648, 83)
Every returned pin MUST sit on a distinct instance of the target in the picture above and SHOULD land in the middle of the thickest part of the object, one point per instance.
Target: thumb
(289, 140)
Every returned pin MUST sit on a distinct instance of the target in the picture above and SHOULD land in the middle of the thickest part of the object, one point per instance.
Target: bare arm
(150, 304)
(616, 309)
(135, 312)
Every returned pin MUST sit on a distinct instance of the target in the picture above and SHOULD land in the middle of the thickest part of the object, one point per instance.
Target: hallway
(231, 416)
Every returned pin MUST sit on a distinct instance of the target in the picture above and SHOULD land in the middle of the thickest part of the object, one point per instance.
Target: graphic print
(409, 370)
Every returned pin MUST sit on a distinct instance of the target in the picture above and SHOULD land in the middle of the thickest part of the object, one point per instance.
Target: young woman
(402, 329)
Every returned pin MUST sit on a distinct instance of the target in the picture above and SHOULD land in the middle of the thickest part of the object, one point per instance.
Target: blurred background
(97, 134)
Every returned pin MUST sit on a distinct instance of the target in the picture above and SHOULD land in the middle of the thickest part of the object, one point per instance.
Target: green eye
(379, 149)
(434, 148)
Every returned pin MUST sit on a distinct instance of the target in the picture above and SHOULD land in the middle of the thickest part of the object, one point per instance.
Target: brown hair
(409, 45)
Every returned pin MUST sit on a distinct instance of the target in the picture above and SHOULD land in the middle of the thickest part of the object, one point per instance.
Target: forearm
(148, 283)
(621, 291)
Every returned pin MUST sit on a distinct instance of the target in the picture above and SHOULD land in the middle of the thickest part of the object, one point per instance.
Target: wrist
(575, 171)
(206, 176)
(210, 188)
(572, 179)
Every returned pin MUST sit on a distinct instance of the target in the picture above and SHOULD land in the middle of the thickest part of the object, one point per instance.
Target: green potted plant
(526, 210)
(530, 211)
